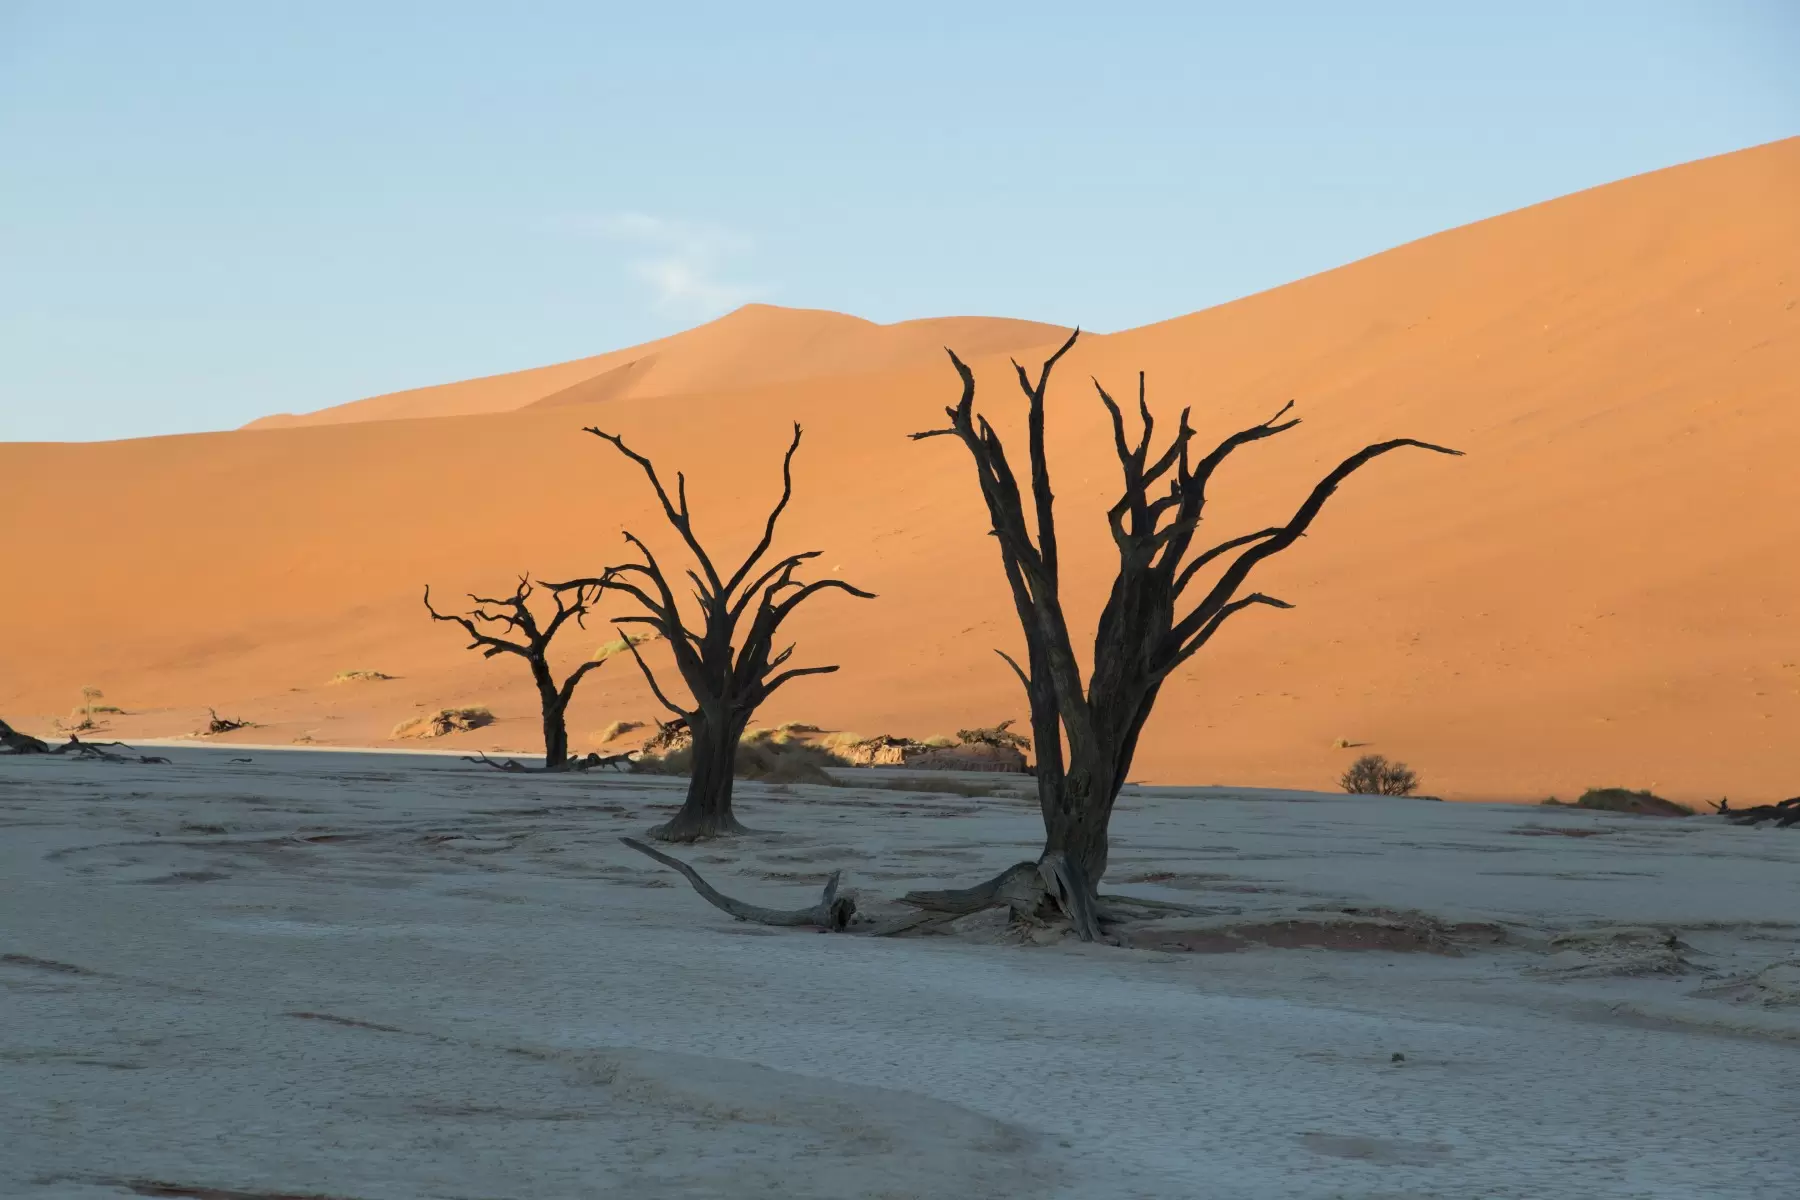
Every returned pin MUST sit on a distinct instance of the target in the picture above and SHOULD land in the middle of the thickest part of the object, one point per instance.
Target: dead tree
(727, 676)
(513, 615)
(1087, 731)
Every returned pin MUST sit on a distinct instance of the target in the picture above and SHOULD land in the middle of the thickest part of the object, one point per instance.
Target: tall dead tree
(513, 615)
(1150, 625)
(727, 676)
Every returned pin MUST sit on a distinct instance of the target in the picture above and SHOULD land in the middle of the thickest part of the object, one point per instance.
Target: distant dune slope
(1606, 590)
(757, 344)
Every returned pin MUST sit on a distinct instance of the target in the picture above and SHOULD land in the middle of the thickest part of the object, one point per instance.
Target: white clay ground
(393, 977)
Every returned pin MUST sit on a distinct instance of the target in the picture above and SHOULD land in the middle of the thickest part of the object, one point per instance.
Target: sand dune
(1604, 591)
(757, 344)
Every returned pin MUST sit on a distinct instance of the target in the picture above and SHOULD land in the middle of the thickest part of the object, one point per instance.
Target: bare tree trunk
(707, 811)
(1075, 825)
(556, 728)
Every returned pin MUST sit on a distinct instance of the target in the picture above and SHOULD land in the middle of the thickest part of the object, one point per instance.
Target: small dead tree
(1149, 627)
(513, 615)
(727, 676)
(1373, 775)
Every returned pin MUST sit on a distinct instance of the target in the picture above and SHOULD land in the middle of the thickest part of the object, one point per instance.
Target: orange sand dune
(1604, 591)
(757, 344)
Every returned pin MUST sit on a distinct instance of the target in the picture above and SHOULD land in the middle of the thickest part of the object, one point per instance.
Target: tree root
(923, 921)
(1025, 888)
(701, 829)
(1019, 887)
(1038, 894)
(832, 913)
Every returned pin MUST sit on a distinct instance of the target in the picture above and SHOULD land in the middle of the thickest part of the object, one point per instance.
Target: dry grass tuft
(763, 755)
(620, 645)
(361, 677)
(444, 721)
(618, 729)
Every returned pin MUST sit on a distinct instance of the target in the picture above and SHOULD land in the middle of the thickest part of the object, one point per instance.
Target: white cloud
(684, 264)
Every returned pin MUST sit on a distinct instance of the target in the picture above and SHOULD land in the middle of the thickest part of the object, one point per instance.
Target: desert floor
(386, 977)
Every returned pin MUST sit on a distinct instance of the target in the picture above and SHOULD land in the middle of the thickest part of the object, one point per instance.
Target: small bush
(797, 727)
(994, 735)
(618, 729)
(837, 741)
(940, 741)
(361, 677)
(1373, 775)
(442, 722)
(1624, 800)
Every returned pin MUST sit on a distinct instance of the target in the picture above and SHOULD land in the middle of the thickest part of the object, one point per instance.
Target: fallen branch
(91, 750)
(1784, 813)
(220, 724)
(832, 913)
(580, 763)
(14, 742)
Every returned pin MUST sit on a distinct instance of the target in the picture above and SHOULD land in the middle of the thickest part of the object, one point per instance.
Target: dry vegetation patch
(770, 756)
(361, 677)
(443, 722)
(1638, 803)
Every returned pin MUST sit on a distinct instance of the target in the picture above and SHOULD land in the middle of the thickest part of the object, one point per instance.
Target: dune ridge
(755, 344)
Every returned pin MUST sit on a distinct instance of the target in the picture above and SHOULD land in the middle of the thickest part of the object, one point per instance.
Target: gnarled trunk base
(706, 813)
(691, 826)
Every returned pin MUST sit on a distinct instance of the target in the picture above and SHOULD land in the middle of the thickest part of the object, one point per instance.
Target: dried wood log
(1784, 813)
(579, 763)
(14, 742)
(218, 724)
(833, 912)
(91, 750)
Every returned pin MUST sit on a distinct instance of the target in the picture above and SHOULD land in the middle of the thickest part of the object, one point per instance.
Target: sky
(212, 212)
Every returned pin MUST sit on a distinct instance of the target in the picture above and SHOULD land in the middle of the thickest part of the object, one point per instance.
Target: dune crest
(754, 345)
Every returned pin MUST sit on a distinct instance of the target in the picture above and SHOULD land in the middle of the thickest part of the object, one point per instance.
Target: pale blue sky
(209, 212)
